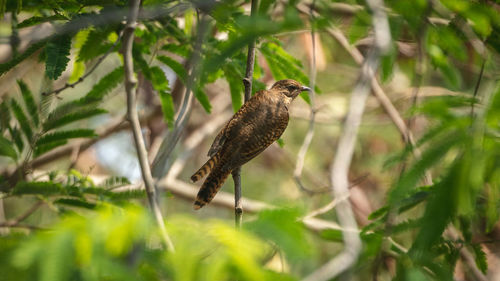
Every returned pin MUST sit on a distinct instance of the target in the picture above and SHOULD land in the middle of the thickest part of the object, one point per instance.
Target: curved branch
(299, 165)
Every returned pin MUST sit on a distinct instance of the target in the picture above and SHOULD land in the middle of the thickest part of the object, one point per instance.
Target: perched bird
(258, 123)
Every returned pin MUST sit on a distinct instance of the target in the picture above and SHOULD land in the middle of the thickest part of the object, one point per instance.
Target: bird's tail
(210, 187)
(206, 168)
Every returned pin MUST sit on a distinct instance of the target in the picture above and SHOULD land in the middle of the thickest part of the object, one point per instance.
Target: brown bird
(258, 123)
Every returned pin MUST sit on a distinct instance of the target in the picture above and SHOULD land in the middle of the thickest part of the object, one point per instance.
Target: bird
(256, 125)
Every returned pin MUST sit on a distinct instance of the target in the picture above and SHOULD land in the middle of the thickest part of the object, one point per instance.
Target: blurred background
(423, 180)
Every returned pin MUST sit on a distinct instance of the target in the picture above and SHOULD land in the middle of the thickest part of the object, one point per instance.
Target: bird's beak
(304, 88)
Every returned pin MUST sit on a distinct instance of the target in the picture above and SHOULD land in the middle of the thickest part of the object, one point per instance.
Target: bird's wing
(232, 126)
(257, 143)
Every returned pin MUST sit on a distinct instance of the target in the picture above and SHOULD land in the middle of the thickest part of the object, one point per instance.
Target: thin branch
(15, 222)
(247, 82)
(476, 90)
(27, 226)
(328, 206)
(160, 163)
(81, 79)
(130, 88)
(345, 149)
(299, 166)
(467, 257)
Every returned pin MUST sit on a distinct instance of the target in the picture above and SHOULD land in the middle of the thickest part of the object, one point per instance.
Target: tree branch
(345, 149)
(15, 222)
(130, 88)
(247, 82)
(299, 165)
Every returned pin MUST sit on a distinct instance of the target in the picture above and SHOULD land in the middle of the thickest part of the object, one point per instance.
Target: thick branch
(130, 84)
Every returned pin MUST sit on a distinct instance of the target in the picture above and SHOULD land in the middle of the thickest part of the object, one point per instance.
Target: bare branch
(345, 149)
(247, 82)
(299, 166)
(15, 222)
(130, 88)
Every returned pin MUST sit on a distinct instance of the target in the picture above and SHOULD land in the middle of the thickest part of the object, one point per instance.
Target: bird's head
(289, 87)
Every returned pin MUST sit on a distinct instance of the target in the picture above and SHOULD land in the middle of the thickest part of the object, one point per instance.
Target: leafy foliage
(96, 233)
(57, 56)
(19, 58)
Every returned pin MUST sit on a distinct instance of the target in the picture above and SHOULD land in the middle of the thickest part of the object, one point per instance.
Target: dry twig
(299, 165)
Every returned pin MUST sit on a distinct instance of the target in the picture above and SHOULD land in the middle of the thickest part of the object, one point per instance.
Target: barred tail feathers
(206, 168)
(210, 187)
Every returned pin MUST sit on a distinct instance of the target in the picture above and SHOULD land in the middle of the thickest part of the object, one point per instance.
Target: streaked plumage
(258, 123)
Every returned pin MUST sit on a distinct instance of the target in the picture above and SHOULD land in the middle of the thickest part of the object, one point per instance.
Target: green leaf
(4, 116)
(181, 50)
(58, 254)
(96, 44)
(167, 107)
(158, 79)
(38, 20)
(7, 149)
(175, 66)
(16, 60)
(64, 135)
(128, 194)
(16, 136)
(334, 235)
(107, 83)
(202, 97)
(481, 261)
(43, 148)
(387, 64)
(57, 56)
(113, 182)
(283, 228)
(234, 78)
(56, 122)
(71, 202)
(417, 170)
(39, 188)
(22, 119)
(29, 101)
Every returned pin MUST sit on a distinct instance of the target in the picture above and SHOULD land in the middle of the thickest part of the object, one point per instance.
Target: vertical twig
(345, 149)
(299, 166)
(247, 82)
(133, 117)
(476, 89)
